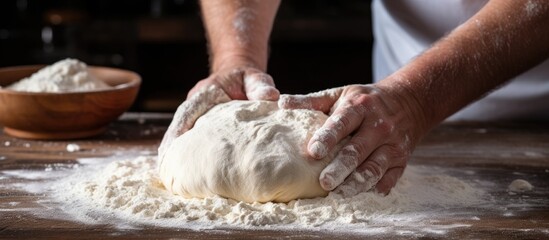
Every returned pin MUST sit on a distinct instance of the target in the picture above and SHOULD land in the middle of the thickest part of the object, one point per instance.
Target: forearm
(238, 31)
(502, 40)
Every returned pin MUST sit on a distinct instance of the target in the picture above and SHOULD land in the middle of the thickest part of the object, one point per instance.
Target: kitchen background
(315, 44)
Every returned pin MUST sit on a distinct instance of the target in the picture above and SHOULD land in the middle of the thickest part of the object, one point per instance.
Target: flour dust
(130, 190)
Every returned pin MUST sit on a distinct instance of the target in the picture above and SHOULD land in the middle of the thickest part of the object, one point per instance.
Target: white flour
(69, 75)
(131, 191)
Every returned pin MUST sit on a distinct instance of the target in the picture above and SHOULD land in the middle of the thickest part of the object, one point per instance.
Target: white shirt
(405, 28)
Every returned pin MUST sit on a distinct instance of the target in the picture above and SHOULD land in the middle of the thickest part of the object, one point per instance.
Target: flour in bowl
(69, 75)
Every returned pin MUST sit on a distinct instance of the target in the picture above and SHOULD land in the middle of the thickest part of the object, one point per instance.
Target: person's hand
(219, 87)
(241, 83)
(187, 113)
(382, 130)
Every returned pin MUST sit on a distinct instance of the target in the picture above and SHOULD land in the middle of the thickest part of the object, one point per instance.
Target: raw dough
(520, 185)
(249, 151)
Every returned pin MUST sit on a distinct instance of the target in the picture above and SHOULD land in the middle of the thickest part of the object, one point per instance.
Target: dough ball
(520, 185)
(249, 151)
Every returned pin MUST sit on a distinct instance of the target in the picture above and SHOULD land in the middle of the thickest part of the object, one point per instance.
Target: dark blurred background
(315, 44)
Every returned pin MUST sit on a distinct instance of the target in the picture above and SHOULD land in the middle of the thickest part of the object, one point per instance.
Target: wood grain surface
(497, 153)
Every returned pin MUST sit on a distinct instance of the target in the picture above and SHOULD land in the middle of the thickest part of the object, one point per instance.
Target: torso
(405, 28)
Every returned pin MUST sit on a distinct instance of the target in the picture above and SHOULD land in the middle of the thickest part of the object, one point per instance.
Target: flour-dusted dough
(249, 151)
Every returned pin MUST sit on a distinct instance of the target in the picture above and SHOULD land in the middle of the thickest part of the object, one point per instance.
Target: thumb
(233, 89)
(260, 86)
(321, 101)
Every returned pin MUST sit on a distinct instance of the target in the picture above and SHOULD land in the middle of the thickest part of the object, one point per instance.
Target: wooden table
(496, 152)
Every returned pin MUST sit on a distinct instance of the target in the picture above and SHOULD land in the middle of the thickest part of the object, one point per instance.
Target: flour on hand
(249, 151)
(69, 75)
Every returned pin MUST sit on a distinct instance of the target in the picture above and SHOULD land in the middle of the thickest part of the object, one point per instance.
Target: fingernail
(318, 150)
(327, 182)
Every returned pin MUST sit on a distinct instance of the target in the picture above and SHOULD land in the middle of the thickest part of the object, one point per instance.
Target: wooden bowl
(64, 115)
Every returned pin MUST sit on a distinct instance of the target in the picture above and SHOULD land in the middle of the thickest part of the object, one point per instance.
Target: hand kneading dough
(249, 151)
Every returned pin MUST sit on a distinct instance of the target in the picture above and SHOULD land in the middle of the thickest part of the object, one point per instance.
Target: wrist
(401, 98)
(231, 60)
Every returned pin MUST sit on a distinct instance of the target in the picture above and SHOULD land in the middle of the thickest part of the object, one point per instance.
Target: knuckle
(374, 167)
(341, 121)
(385, 126)
(348, 158)
(350, 151)
(377, 163)
(359, 144)
(343, 103)
(401, 156)
(355, 150)
(360, 103)
(362, 98)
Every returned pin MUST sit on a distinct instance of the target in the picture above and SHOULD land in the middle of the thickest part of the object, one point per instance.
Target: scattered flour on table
(69, 75)
(131, 190)
(73, 147)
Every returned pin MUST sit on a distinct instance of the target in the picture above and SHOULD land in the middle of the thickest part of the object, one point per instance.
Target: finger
(349, 158)
(372, 170)
(260, 86)
(233, 88)
(320, 101)
(201, 85)
(389, 180)
(190, 110)
(353, 185)
(345, 119)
